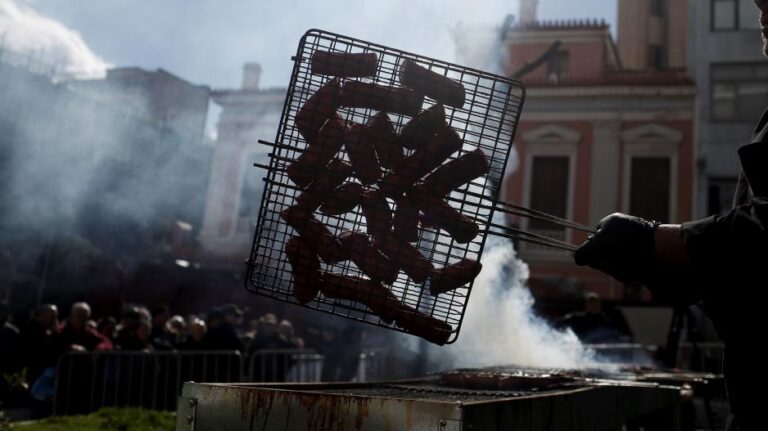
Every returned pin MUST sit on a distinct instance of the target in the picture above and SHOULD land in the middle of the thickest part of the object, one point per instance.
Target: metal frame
(488, 121)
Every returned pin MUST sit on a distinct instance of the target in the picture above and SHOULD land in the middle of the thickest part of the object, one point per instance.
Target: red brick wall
(587, 59)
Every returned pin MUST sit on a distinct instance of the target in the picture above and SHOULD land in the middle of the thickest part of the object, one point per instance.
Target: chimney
(251, 76)
(528, 9)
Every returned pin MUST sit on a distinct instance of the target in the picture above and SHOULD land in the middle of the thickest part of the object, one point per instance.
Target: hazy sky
(207, 41)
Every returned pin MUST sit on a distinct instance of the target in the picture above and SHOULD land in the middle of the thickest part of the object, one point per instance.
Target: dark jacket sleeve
(728, 253)
(739, 236)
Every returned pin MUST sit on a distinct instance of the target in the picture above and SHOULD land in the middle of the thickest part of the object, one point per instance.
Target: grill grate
(487, 120)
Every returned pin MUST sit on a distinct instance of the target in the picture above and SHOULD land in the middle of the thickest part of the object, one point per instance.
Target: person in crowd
(222, 332)
(75, 335)
(592, 325)
(341, 349)
(268, 363)
(107, 327)
(128, 337)
(144, 336)
(286, 332)
(268, 336)
(10, 344)
(36, 338)
(92, 325)
(160, 316)
(175, 330)
(195, 331)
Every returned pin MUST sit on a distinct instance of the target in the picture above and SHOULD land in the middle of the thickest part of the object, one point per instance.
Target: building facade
(595, 138)
(234, 192)
(732, 75)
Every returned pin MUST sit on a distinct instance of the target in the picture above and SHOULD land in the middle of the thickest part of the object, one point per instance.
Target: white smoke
(500, 326)
(45, 45)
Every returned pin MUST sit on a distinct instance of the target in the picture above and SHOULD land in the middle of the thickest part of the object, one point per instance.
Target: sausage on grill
(319, 152)
(362, 154)
(406, 256)
(314, 233)
(440, 214)
(318, 109)
(434, 85)
(344, 199)
(417, 132)
(456, 173)
(406, 220)
(453, 276)
(370, 293)
(305, 267)
(399, 100)
(331, 178)
(344, 64)
(421, 162)
(423, 325)
(378, 215)
(369, 260)
(382, 135)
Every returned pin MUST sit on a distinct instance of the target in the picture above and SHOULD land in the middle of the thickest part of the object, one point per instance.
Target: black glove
(623, 247)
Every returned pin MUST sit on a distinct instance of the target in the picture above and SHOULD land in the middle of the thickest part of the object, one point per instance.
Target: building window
(734, 15)
(250, 196)
(548, 192)
(558, 66)
(650, 187)
(720, 196)
(739, 91)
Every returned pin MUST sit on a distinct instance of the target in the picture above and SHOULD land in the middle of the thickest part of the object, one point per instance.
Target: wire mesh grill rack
(487, 120)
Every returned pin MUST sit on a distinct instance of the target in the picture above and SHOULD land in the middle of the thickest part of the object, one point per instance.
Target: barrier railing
(283, 365)
(88, 381)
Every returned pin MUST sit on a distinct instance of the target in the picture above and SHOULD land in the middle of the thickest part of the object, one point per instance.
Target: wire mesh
(487, 121)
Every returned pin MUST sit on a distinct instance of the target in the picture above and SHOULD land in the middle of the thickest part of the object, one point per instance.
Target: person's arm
(677, 262)
(670, 248)
(634, 250)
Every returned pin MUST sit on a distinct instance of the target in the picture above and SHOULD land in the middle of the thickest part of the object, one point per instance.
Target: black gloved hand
(623, 248)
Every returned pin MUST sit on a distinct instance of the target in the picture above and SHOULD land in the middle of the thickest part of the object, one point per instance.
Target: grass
(106, 419)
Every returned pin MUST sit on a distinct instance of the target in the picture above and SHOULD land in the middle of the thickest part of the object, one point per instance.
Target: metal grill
(487, 120)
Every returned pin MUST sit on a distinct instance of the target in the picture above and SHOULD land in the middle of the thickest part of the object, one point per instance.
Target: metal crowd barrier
(87, 381)
(283, 365)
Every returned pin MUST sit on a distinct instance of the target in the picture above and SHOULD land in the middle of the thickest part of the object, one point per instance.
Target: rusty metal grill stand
(487, 120)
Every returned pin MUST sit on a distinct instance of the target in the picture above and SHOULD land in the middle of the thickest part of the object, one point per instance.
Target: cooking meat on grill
(406, 256)
(370, 293)
(356, 94)
(344, 64)
(319, 152)
(406, 220)
(456, 173)
(421, 162)
(368, 259)
(305, 267)
(331, 178)
(378, 214)
(320, 107)
(314, 233)
(423, 325)
(362, 154)
(343, 200)
(434, 85)
(453, 276)
(382, 135)
(440, 214)
(417, 132)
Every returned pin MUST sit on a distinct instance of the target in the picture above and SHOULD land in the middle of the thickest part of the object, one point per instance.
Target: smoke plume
(33, 40)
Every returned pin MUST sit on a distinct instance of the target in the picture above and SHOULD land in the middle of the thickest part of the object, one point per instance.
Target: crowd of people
(30, 350)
